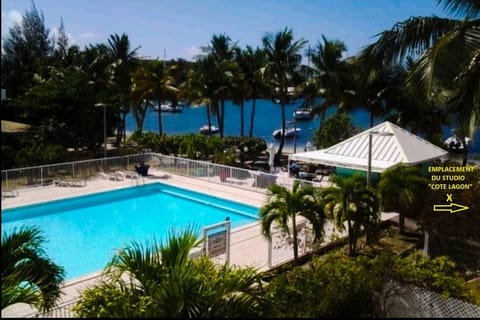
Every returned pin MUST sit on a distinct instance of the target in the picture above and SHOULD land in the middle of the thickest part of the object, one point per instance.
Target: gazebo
(387, 144)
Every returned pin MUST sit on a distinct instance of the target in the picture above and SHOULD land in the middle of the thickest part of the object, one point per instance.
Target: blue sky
(178, 28)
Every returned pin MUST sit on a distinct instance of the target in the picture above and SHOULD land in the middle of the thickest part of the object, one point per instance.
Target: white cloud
(70, 38)
(9, 19)
(89, 35)
(14, 16)
(192, 52)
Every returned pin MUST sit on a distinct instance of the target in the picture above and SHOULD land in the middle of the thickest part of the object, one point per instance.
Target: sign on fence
(217, 240)
(217, 243)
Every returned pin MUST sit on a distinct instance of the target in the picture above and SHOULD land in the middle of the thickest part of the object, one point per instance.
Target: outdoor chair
(9, 193)
(112, 177)
(70, 183)
(127, 174)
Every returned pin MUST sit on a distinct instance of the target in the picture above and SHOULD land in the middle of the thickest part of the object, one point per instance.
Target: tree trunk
(401, 222)
(220, 117)
(295, 241)
(282, 139)
(351, 249)
(252, 116)
(242, 120)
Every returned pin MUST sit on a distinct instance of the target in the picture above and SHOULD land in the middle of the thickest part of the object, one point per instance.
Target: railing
(235, 177)
(64, 310)
(45, 175)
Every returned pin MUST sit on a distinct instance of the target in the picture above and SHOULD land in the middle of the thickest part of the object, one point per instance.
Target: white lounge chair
(127, 174)
(113, 177)
(9, 193)
(70, 183)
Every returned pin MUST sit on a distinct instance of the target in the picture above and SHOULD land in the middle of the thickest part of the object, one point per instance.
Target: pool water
(84, 232)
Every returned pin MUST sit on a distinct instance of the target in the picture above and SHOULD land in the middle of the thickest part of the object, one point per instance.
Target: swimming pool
(84, 232)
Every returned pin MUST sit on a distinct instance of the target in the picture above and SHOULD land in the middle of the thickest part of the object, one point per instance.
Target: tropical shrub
(28, 274)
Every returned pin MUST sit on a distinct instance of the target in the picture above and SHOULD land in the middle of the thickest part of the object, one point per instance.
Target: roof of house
(13, 127)
(391, 145)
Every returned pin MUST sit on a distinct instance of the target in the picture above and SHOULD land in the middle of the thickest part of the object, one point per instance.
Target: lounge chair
(70, 183)
(113, 177)
(9, 193)
(127, 174)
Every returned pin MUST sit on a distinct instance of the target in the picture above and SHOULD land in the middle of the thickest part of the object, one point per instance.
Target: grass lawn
(474, 285)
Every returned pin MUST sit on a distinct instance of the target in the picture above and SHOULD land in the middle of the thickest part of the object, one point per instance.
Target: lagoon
(267, 119)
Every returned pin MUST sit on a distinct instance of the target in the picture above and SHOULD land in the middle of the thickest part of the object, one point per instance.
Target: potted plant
(142, 168)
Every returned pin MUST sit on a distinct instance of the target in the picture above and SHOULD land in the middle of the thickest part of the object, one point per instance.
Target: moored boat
(290, 131)
(206, 130)
(303, 113)
(168, 107)
(455, 144)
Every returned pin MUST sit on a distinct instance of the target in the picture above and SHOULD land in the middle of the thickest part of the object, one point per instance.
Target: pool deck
(243, 252)
(248, 246)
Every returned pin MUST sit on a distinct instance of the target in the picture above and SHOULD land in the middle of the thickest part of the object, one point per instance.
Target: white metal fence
(45, 175)
(406, 301)
(212, 172)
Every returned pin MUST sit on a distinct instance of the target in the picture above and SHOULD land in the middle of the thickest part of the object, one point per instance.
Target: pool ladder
(136, 180)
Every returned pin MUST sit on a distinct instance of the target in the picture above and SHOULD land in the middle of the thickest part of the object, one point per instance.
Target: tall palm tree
(253, 60)
(283, 206)
(350, 201)
(28, 275)
(283, 60)
(446, 51)
(161, 280)
(222, 51)
(328, 73)
(241, 89)
(200, 86)
(400, 187)
(124, 61)
(156, 83)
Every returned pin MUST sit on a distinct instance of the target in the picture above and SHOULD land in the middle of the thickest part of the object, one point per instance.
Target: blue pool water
(84, 232)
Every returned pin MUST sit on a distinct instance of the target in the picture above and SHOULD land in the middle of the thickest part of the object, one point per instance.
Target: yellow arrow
(452, 207)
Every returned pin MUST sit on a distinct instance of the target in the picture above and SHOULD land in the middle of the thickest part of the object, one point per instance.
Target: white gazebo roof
(390, 145)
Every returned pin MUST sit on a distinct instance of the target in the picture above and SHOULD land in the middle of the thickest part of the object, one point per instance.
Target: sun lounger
(127, 174)
(70, 183)
(9, 193)
(113, 177)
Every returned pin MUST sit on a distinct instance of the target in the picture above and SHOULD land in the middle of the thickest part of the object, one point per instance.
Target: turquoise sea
(267, 119)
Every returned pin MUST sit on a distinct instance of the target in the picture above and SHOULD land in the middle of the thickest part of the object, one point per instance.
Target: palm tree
(124, 61)
(222, 51)
(399, 188)
(283, 59)
(329, 71)
(284, 206)
(28, 275)
(252, 63)
(161, 280)
(348, 200)
(448, 53)
(200, 86)
(241, 89)
(156, 83)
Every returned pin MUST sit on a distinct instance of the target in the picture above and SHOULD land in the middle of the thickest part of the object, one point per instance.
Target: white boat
(168, 107)
(289, 132)
(303, 113)
(455, 144)
(205, 130)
